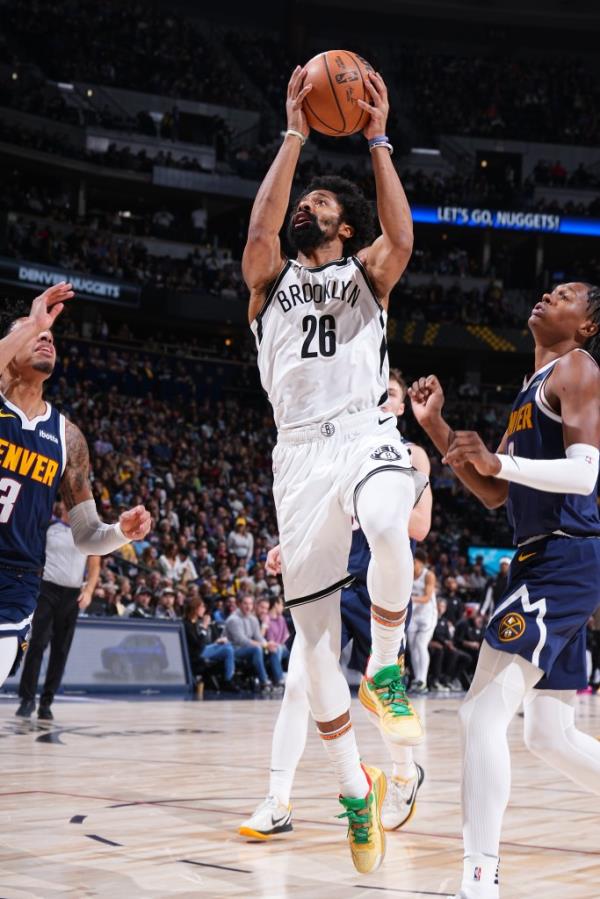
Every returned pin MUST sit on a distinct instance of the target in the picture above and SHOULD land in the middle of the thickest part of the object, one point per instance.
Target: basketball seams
(313, 112)
(334, 94)
(365, 96)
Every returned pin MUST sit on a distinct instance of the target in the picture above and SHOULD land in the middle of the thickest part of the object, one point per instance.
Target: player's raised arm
(386, 259)
(427, 399)
(91, 535)
(262, 258)
(43, 313)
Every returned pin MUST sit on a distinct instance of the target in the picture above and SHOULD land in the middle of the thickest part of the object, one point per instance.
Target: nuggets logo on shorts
(386, 454)
(511, 627)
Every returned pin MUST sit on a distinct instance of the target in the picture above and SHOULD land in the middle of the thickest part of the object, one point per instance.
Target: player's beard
(307, 237)
(45, 367)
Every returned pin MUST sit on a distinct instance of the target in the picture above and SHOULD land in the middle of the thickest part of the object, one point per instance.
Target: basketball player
(423, 620)
(40, 452)
(274, 815)
(319, 322)
(546, 471)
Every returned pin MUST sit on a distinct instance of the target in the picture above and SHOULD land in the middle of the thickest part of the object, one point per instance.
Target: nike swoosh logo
(382, 421)
(277, 821)
(524, 556)
(7, 415)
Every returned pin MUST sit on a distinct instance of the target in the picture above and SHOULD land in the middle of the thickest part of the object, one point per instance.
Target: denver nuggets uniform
(322, 358)
(32, 461)
(554, 578)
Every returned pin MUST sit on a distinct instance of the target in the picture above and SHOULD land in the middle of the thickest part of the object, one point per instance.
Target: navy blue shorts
(19, 591)
(356, 623)
(553, 588)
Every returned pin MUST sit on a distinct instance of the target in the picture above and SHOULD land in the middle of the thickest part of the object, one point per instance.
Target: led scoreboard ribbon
(505, 220)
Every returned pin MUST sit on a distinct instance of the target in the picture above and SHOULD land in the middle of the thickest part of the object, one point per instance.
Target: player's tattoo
(75, 485)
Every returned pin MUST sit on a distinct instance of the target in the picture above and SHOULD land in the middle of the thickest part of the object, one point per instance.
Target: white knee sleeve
(318, 638)
(550, 733)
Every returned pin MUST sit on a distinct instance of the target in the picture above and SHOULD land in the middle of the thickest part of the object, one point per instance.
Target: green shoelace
(357, 824)
(392, 693)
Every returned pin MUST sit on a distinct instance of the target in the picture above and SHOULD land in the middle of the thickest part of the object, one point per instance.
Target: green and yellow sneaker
(365, 832)
(384, 695)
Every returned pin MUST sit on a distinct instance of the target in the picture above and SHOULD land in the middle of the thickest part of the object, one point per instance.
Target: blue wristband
(381, 139)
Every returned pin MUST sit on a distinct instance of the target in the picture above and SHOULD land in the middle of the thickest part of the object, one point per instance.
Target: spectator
(278, 633)
(168, 562)
(454, 603)
(185, 570)
(142, 606)
(447, 663)
(243, 631)
(497, 589)
(469, 637)
(240, 541)
(206, 645)
(166, 605)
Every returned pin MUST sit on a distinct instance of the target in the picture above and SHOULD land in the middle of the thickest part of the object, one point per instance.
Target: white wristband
(577, 473)
(294, 133)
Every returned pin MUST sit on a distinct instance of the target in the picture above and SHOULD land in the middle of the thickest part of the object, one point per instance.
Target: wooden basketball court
(140, 799)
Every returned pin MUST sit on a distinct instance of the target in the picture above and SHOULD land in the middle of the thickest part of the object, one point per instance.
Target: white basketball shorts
(317, 475)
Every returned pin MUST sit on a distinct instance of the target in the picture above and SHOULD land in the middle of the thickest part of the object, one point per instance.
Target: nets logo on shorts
(386, 454)
(511, 627)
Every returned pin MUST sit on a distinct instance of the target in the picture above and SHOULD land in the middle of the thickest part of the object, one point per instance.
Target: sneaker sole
(260, 835)
(370, 707)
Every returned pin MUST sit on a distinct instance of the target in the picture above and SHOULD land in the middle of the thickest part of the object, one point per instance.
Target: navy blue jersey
(32, 461)
(535, 432)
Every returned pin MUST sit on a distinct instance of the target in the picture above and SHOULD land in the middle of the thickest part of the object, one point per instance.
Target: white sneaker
(418, 687)
(399, 804)
(270, 818)
(439, 687)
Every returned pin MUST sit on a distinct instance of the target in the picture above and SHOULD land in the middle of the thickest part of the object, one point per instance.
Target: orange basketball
(338, 78)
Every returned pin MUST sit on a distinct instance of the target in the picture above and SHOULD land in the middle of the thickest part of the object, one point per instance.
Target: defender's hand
(296, 92)
(273, 563)
(427, 398)
(135, 523)
(380, 107)
(467, 446)
(46, 308)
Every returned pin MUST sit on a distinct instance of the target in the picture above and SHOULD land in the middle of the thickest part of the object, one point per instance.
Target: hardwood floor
(140, 799)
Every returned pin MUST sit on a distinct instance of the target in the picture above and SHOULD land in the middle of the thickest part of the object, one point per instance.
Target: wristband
(294, 133)
(381, 141)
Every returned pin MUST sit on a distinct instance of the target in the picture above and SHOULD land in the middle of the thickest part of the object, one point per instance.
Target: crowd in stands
(542, 99)
(93, 250)
(120, 45)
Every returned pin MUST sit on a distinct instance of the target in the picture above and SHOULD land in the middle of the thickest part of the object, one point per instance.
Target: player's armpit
(75, 486)
(385, 263)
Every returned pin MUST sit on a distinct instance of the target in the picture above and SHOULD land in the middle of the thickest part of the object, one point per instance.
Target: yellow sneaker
(365, 833)
(384, 695)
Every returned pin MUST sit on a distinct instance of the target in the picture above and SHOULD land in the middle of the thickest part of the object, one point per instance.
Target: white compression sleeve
(92, 537)
(578, 473)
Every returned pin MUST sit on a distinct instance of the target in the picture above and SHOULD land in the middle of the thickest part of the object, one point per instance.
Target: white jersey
(321, 343)
(423, 613)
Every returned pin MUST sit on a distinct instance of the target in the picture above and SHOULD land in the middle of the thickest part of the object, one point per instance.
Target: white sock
(404, 767)
(386, 642)
(342, 750)
(480, 877)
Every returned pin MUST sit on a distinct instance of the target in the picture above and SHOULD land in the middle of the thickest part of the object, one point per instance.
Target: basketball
(339, 80)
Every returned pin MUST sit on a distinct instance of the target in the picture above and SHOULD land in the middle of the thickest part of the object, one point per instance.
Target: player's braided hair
(592, 345)
(357, 210)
